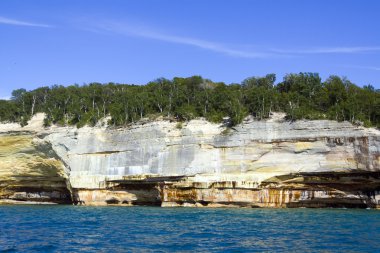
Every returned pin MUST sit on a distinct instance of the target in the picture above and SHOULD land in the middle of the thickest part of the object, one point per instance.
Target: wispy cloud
(8, 21)
(363, 67)
(143, 32)
(374, 68)
(329, 50)
(134, 30)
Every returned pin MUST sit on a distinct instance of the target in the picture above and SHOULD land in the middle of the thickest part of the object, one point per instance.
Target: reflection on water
(147, 229)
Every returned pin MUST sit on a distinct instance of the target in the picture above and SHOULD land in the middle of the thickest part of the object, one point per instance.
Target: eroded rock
(216, 167)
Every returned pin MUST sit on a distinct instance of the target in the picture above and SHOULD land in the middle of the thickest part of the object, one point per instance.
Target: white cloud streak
(329, 50)
(203, 44)
(8, 21)
(374, 68)
(363, 67)
(134, 30)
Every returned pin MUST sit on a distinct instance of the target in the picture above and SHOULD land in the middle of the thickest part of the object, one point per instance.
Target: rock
(218, 167)
(30, 171)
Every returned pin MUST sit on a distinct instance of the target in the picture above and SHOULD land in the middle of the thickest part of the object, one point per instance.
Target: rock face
(272, 163)
(30, 171)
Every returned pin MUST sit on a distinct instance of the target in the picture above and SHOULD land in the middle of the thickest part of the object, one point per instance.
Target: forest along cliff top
(301, 96)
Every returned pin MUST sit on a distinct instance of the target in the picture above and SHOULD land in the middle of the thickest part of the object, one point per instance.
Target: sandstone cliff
(271, 163)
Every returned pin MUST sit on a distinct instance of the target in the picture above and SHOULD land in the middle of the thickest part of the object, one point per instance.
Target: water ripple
(146, 229)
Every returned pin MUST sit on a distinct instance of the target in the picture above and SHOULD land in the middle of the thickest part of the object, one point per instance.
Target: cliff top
(35, 124)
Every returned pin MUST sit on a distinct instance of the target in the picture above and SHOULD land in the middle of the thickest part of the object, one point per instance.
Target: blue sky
(66, 42)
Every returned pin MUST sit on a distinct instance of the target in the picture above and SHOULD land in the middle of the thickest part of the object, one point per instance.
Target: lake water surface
(152, 229)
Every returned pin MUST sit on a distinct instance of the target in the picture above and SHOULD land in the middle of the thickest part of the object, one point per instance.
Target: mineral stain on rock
(269, 163)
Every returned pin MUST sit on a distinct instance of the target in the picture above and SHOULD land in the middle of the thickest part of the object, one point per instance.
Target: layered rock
(321, 189)
(30, 171)
(244, 165)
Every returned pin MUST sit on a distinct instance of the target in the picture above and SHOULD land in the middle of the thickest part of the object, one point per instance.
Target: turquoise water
(149, 229)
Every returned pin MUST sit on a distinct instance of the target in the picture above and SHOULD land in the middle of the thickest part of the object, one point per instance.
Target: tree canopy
(300, 96)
